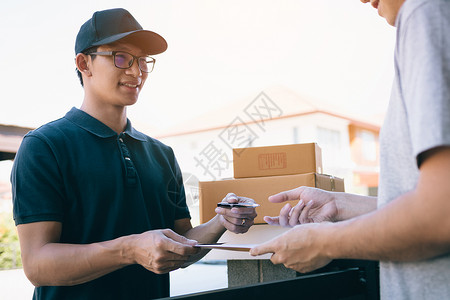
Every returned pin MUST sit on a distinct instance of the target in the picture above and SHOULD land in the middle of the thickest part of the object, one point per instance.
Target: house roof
(10, 138)
(289, 103)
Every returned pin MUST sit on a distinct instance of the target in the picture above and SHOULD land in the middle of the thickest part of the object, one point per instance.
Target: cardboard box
(277, 160)
(259, 189)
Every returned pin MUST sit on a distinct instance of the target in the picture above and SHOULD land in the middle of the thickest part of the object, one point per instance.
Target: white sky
(219, 51)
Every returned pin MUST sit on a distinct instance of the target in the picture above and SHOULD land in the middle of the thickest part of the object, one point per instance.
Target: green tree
(9, 243)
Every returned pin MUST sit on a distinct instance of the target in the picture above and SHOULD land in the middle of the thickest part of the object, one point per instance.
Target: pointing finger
(293, 194)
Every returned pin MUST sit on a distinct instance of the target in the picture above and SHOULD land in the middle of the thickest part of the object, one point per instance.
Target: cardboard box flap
(329, 183)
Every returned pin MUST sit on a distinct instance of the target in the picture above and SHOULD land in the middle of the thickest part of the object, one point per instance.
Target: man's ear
(82, 62)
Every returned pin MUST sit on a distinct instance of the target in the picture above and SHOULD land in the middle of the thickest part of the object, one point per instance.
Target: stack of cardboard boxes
(260, 172)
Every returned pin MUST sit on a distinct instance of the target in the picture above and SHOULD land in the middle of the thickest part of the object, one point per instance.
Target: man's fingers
(262, 249)
(179, 244)
(181, 249)
(278, 198)
(295, 214)
(284, 215)
(293, 194)
(240, 211)
(235, 221)
(237, 212)
(246, 200)
(304, 216)
(231, 198)
(170, 264)
(179, 238)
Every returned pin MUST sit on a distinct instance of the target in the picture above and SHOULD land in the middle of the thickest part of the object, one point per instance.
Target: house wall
(364, 147)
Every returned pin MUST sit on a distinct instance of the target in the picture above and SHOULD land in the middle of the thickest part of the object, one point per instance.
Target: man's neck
(114, 117)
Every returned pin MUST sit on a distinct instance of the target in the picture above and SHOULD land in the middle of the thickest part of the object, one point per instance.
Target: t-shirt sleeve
(425, 72)
(36, 183)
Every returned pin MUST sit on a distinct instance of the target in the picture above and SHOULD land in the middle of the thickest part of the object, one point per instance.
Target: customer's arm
(414, 226)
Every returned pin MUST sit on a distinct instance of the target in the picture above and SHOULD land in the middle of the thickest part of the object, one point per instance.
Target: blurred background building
(277, 116)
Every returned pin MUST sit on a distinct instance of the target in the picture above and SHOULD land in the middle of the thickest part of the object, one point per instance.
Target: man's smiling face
(116, 86)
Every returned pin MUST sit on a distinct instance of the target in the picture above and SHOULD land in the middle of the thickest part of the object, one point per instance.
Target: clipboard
(225, 246)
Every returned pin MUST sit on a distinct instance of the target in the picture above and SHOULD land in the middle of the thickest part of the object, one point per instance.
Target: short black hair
(86, 52)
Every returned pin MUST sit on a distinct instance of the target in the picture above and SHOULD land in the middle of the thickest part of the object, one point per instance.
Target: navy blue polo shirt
(100, 185)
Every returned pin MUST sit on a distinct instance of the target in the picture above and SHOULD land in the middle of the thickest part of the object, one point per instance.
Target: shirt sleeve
(36, 183)
(425, 76)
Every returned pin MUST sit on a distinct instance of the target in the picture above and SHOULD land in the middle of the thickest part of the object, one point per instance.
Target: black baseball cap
(111, 25)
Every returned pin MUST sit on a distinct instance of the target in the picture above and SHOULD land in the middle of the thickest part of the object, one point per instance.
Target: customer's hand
(314, 206)
(237, 219)
(162, 251)
(302, 248)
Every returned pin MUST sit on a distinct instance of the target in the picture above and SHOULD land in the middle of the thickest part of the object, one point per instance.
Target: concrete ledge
(245, 272)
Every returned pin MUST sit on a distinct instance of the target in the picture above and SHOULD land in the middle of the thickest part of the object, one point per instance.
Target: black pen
(231, 205)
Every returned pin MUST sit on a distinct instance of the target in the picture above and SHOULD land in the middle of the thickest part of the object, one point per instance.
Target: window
(329, 138)
(329, 141)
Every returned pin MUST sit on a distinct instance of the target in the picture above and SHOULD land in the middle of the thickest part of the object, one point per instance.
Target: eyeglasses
(124, 60)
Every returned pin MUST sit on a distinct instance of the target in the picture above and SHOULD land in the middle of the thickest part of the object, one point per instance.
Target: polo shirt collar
(94, 126)
(129, 130)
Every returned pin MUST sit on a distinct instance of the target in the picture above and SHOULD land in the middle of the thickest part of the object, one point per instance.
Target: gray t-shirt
(418, 119)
